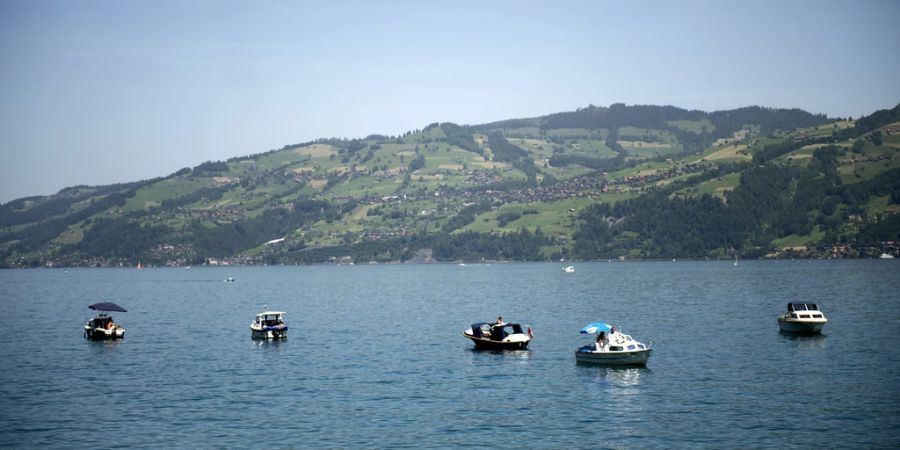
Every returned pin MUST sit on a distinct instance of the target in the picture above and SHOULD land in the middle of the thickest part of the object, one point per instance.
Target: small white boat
(229, 280)
(612, 348)
(499, 335)
(804, 318)
(569, 269)
(269, 325)
(103, 327)
(886, 256)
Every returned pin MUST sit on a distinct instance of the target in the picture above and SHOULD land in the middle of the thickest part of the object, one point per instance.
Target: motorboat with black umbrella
(103, 327)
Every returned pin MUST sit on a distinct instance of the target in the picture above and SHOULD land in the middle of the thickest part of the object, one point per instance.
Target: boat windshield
(269, 319)
(499, 332)
(494, 331)
(802, 307)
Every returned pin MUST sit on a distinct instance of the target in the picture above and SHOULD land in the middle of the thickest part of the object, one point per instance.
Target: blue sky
(97, 92)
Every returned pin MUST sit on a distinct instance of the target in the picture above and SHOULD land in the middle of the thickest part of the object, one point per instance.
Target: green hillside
(599, 182)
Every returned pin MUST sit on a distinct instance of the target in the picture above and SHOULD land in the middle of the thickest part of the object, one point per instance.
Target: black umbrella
(107, 306)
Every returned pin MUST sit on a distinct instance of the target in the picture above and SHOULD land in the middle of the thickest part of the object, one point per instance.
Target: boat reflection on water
(515, 357)
(625, 377)
(506, 354)
(622, 377)
(818, 340)
(269, 343)
(106, 345)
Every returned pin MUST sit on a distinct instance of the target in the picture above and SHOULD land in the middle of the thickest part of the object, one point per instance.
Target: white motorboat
(802, 318)
(103, 327)
(886, 256)
(269, 325)
(499, 335)
(612, 348)
(569, 269)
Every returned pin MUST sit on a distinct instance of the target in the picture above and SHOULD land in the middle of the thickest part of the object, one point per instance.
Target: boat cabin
(803, 311)
(270, 318)
(496, 332)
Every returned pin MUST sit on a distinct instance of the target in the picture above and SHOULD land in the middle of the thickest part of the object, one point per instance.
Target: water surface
(375, 357)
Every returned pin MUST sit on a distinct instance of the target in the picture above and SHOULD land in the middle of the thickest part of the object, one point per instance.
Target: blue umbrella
(107, 306)
(596, 327)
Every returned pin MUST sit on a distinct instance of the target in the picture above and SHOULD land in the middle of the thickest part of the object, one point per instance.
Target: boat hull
(614, 358)
(488, 344)
(100, 334)
(801, 327)
(268, 334)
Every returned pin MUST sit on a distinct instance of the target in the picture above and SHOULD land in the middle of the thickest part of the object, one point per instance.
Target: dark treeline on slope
(658, 117)
(460, 137)
(768, 119)
(231, 238)
(121, 238)
(871, 122)
(503, 150)
(344, 145)
(466, 216)
(417, 163)
(862, 126)
(884, 230)
(591, 162)
(15, 212)
(210, 168)
(41, 233)
(521, 245)
(619, 115)
(770, 202)
(773, 151)
(505, 125)
(127, 239)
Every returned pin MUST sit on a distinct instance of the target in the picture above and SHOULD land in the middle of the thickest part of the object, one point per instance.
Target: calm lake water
(375, 357)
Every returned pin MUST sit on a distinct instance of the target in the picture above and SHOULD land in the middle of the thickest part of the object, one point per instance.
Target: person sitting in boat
(499, 321)
(601, 343)
(615, 336)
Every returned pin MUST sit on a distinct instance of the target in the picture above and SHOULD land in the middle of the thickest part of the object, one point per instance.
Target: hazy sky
(97, 92)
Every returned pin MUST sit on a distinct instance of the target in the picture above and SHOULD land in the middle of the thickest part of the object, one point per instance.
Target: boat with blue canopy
(612, 347)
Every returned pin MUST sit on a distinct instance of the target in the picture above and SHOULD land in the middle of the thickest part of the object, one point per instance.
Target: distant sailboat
(139, 266)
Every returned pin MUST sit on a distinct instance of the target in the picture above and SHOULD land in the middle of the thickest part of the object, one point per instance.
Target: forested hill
(628, 182)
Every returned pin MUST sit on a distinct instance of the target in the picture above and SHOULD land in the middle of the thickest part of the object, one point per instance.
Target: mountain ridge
(530, 188)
